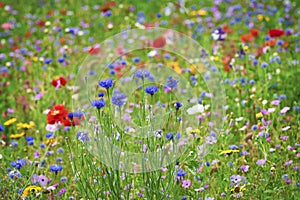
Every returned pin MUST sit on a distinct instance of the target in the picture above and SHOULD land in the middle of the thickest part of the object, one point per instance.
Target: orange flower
(270, 43)
(246, 38)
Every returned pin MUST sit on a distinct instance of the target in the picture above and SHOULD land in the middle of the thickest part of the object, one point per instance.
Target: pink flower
(275, 102)
(186, 184)
(284, 110)
(6, 26)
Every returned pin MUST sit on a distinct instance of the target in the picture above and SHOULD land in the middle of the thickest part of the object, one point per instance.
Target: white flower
(198, 108)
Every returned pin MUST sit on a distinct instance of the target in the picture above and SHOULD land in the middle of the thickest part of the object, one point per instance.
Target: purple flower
(181, 173)
(43, 180)
(284, 110)
(244, 168)
(261, 162)
(61, 192)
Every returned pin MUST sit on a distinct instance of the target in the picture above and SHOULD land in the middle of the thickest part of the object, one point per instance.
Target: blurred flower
(261, 162)
(10, 121)
(25, 125)
(17, 136)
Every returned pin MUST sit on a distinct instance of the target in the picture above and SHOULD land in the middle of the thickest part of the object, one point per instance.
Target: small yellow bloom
(267, 19)
(35, 59)
(25, 125)
(259, 115)
(31, 189)
(17, 136)
(238, 189)
(229, 152)
(50, 141)
(260, 17)
(10, 121)
(175, 66)
(246, 48)
(202, 12)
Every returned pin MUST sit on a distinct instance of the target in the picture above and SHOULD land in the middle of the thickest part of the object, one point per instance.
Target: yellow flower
(260, 17)
(175, 66)
(238, 189)
(10, 121)
(267, 19)
(25, 125)
(31, 189)
(51, 141)
(202, 12)
(35, 59)
(18, 135)
(229, 152)
(258, 115)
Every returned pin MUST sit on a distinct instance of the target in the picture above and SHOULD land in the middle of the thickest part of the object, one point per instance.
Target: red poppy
(275, 33)
(94, 50)
(246, 38)
(159, 42)
(41, 23)
(63, 12)
(28, 34)
(226, 62)
(107, 6)
(149, 25)
(2, 4)
(60, 80)
(227, 29)
(50, 12)
(254, 32)
(58, 114)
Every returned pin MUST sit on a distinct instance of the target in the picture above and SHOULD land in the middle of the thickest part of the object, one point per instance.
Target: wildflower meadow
(178, 99)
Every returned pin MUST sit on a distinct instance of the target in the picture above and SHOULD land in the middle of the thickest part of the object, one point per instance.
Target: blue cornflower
(42, 146)
(169, 136)
(107, 83)
(264, 65)
(255, 62)
(48, 61)
(59, 159)
(1, 128)
(63, 179)
(143, 73)
(171, 83)
(151, 90)
(70, 115)
(252, 82)
(14, 174)
(50, 135)
(100, 94)
(82, 136)
(178, 105)
(136, 60)
(233, 147)
(55, 168)
(19, 163)
(254, 127)
(60, 150)
(60, 60)
(181, 173)
(98, 103)
(118, 98)
(14, 143)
